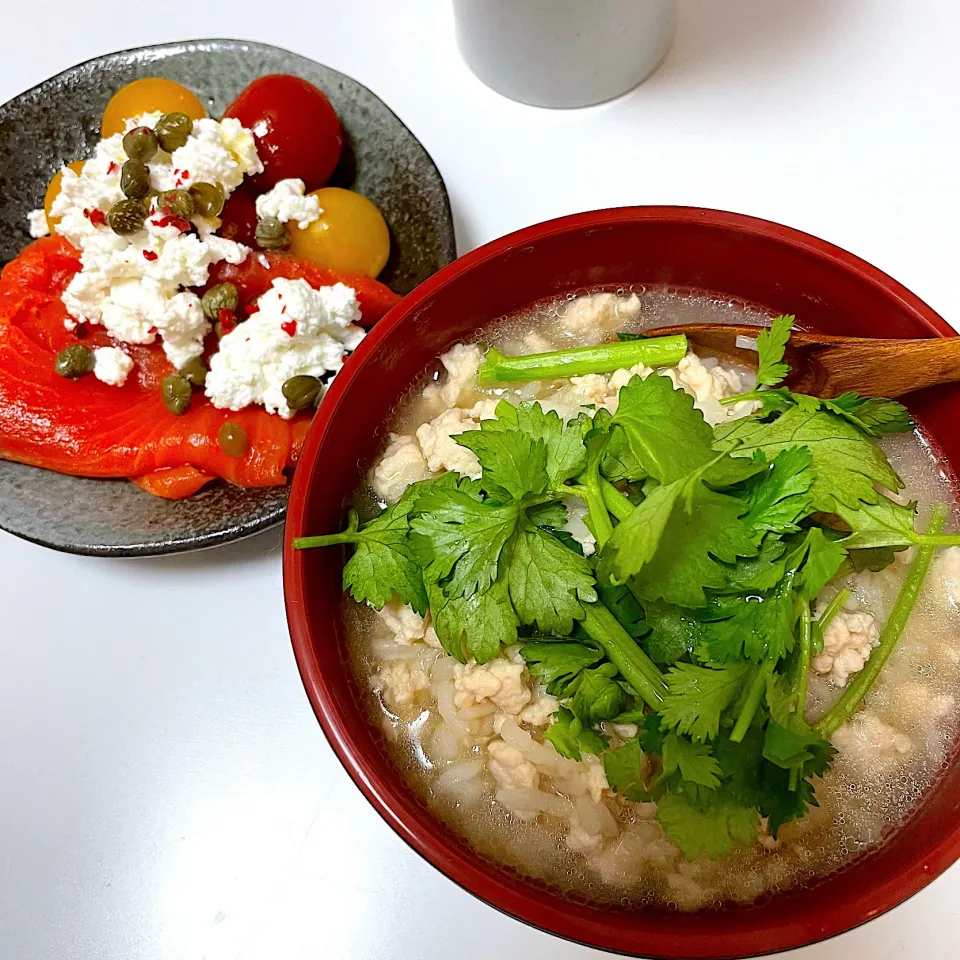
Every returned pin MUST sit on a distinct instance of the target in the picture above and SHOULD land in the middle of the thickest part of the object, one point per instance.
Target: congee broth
(651, 602)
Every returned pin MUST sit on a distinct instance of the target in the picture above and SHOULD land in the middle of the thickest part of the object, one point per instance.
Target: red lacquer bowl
(724, 253)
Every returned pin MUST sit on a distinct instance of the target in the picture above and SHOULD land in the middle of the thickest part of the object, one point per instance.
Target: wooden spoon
(827, 366)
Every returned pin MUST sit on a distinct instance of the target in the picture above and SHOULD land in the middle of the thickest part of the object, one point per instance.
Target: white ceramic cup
(564, 53)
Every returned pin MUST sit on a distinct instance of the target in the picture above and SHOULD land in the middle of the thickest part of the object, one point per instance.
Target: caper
(222, 296)
(172, 130)
(301, 391)
(207, 199)
(176, 393)
(233, 439)
(271, 234)
(127, 216)
(140, 143)
(134, 180)
(74, 361)
(194, 372)
(176, 203)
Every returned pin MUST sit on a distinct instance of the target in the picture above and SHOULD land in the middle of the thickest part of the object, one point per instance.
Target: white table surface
(165, 792)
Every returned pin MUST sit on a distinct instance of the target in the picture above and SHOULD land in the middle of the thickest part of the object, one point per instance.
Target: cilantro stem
(938, 540)
(750, 705)
(618, 504)
(832, 609)
(605, 358)
(625, 654)
(597, 519)
(328, 540)
(803, 661)
(850, 700)
(741, 397)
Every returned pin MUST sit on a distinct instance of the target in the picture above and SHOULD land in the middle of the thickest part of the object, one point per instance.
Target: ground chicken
(500, 681)
(403, 622)
(597, 316)
(708, 384)
(400, 682)
(848, 642)
(509, 766)
(870, 744)
(461, 363)
(439, 448)
(596, 778)
(541, 711)
(402, 463)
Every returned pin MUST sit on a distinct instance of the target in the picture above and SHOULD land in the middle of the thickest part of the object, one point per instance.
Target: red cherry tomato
(297, 130)
(239, 217)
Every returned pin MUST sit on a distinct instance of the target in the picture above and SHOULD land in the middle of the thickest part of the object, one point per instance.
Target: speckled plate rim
(270, 518)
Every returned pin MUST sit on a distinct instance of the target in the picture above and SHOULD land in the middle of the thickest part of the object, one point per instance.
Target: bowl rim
(401, 815)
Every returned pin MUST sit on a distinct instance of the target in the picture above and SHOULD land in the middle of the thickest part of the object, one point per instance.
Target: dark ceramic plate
(59, 121)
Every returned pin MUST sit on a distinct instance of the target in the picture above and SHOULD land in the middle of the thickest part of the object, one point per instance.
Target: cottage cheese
(37, 224)
(286, 202)
(132, 285)
(296, 330)
(112, 365)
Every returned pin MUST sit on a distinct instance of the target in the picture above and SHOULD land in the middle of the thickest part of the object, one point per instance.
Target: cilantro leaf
(673, 632)
(771, 345)
(797, 748)
(565, 452)
(571, 738)
(740, 764)
(383, 562)
(668, 437)
(873, 559)
(548, 583)
(651, 736)
(780, 802)
(623, 605)
(873, 415)
(552, 514)
(644, 545)
(474, 627)
(847, 465)
(459, 539)
(779, 497)
(756, 626)
(762, 572)
(715, 829)
(626, 769)
(557, 665)
(512, 463)
(636, 539)
(882, 524)
(821, 558)
(698, 696)
(694, 761)
(598, 697)
(618, 462)
(624, 336)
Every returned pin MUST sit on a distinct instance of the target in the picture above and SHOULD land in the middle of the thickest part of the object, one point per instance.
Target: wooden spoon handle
(878, 368)
(827, 366)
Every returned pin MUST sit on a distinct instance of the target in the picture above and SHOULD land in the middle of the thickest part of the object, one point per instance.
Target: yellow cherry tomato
(146, 96)
(350, 236)
(54, 189)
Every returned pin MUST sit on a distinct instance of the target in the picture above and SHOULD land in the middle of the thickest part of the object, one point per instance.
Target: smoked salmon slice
(173, 483)
(92, 429)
